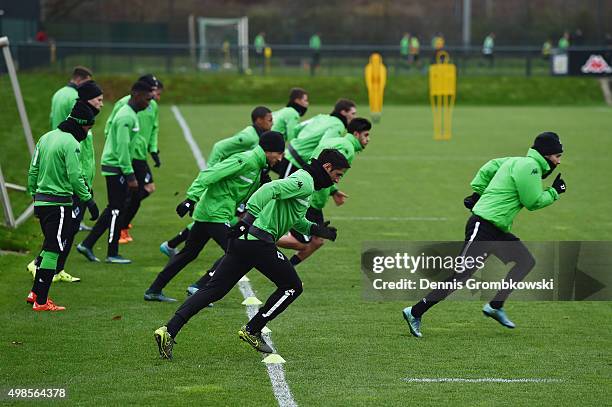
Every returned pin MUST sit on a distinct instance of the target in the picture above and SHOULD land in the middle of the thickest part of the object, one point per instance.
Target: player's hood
(546, 165)
(320, 177)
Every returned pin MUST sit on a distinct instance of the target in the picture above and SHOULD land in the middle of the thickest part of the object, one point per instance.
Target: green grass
(339, 349)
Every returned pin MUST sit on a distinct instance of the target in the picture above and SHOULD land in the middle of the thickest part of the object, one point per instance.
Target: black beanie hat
(272, 141)
(82, 114)
(547, 143)
(89, 90)
(150, 79)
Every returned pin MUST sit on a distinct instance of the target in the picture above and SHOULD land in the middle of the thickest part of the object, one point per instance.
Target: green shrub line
(407, 89)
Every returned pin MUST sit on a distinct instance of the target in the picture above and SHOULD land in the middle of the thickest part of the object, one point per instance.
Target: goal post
(9, 216)
(241, 27)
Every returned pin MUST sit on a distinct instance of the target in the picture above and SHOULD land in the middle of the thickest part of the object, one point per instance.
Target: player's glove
(186, 206)
(93, 209)
(558, 184)
(470, 201)
(265, 177)
(242, 227)
(325, 231)
(155, 156)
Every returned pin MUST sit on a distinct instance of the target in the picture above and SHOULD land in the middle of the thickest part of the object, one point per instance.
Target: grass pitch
(339, 349)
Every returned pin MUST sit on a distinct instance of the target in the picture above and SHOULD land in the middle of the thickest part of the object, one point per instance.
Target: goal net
(222, 43)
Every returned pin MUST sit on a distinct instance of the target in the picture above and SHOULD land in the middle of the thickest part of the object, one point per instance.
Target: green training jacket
(244, 140)
(88, 159)
(506, 185)
(219, 189)
(62, 103)
(311, 132)
(146, 140)
(286, 121)
(116, 157)
(118, 105)
(281, 205)
(55, 172)
(148, 120)
(348, 146)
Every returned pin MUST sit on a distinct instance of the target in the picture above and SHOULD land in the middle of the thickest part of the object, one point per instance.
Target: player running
(502, 187)
(218, 190)
(271, 212)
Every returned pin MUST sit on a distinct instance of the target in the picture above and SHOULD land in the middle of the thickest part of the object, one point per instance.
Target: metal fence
(334, 60)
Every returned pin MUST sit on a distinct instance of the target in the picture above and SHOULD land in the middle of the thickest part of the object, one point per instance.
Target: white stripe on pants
(278, 303)
(111, 231)
(474, 233)
(59, 229)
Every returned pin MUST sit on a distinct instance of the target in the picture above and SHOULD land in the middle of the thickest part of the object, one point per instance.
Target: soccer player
(144, 142)
(502, 187)
(311, 132)
(91, 94)
(119, 174)
(356, 139)
(306, 245)
(63, 100)
(55, 175)
(271, 212)
(218, 190)
(287, 119)
(244, 140)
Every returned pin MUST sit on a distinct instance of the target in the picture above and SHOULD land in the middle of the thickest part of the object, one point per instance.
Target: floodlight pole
(467, 22)
(4, 43)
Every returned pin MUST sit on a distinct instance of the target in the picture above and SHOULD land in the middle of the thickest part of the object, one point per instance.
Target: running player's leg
(275, 266)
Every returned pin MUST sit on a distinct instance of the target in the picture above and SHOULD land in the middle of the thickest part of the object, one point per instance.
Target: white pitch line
(478, 380)
(391, 218)
(275, 370)
(195, 149)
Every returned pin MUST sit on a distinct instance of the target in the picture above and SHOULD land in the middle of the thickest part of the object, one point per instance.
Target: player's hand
(339, 197)
(325, 231)
(559, 185)
(186, 206)
(242, 227)
(155, 157)
(93, 209)
(264, 178)
(133, 184)
(470, 201)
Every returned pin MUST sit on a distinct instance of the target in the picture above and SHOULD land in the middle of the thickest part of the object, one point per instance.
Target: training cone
(244, 279)
(266, 330)
(273, 358)
(251, 301)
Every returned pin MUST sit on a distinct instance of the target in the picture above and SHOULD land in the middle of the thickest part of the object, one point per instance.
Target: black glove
(265, 177)
(558, 184)
(242, 227)
(93, 209)
(186, 206)
(470, 201)
(325, 231)
(155, 156)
